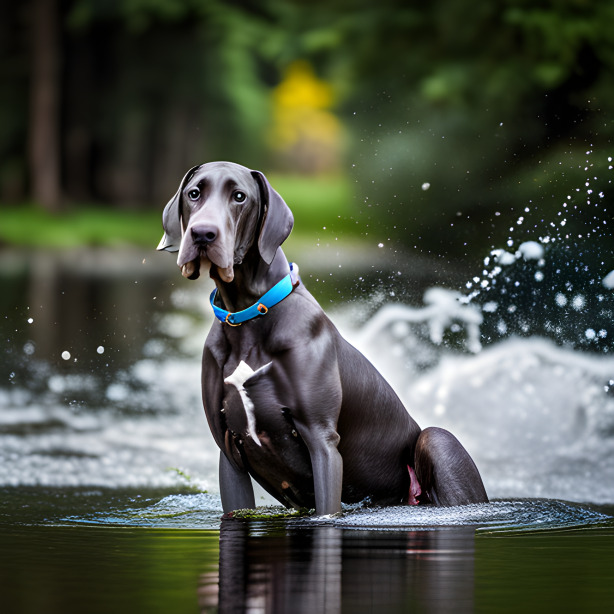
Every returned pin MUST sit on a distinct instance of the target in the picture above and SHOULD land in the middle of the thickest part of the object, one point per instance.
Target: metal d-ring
(231, 323)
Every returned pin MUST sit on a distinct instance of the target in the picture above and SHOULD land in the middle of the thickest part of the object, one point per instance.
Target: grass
(29, 225)
(316, 202)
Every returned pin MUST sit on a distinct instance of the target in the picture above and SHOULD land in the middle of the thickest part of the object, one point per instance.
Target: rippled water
(203, 511)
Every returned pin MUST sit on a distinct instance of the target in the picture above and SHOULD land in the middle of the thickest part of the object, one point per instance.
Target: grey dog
(288, 400)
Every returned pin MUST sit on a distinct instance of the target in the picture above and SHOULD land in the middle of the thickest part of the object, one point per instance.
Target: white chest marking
(241, 374)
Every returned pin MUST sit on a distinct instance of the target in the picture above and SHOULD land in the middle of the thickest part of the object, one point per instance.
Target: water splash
(536, 414)
(197, 511)
(443, 311)
(580, 223)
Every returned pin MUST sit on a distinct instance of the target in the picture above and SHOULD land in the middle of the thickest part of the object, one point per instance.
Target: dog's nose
(204, 234)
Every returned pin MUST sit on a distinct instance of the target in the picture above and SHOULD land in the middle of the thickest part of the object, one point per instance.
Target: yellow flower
(304, 127)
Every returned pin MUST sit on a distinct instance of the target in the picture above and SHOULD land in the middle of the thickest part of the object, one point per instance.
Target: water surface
(108, 474)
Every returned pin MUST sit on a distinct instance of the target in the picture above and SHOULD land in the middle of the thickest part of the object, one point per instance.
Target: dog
(289, 401)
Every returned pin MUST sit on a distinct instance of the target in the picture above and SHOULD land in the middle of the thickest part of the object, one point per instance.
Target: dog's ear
(171, 217)
(277, 221)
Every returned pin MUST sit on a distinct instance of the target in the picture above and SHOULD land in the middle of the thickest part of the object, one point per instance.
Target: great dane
(289, 401)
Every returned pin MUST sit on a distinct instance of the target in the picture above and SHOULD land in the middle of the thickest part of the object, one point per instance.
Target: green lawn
(316, 202)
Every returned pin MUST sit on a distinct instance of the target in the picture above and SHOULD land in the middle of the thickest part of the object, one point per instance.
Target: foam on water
(538, 419)
(510, 515)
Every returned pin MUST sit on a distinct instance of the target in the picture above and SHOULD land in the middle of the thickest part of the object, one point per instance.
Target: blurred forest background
(426, 123)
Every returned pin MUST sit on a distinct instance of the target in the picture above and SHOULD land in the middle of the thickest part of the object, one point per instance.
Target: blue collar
(275, 295)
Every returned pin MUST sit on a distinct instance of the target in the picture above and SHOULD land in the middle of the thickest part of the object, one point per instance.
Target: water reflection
(80, 301)
(49, 564)
(327, 569)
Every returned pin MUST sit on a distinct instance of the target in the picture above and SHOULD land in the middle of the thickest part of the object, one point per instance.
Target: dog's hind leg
(446, 473)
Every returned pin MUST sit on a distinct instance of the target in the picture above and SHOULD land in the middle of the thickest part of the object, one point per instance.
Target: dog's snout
(204, 234)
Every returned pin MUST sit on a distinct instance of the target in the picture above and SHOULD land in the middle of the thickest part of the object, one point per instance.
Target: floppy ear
(277, 222)
(171, 217)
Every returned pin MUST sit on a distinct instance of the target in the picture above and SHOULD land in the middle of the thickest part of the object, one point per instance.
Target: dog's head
(218, 213)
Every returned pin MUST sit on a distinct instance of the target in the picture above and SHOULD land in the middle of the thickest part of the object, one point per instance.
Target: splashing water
(571, 239)
(536, 414)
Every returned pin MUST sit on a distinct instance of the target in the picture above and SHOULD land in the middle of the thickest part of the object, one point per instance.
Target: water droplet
(578, 302)
(560, 299)
(608, 281)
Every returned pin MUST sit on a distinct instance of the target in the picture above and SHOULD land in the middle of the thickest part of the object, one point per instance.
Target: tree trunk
(44, 143)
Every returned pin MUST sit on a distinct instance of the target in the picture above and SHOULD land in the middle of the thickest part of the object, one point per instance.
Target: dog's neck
(252, 278)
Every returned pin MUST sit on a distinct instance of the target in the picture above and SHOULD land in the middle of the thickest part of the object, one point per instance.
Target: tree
(44, 138)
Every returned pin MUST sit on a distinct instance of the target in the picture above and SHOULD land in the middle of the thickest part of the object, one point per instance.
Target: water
(115, 551)
(105, 455)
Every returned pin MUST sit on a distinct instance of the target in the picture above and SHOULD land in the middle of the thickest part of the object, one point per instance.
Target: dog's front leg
(236, 488)
(308, 383)
(327, 467)
(318, 403)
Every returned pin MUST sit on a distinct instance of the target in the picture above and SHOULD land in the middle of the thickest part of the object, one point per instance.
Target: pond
(108, 474)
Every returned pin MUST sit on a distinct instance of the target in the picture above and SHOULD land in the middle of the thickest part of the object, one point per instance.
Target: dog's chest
(255, 415)
(238, 405)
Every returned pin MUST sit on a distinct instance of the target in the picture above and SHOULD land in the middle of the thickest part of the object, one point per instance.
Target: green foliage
(469, 97)
(324, 201)
(471, 100)
(29, 225)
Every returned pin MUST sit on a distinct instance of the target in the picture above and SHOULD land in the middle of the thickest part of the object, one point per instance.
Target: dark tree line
(483, 102)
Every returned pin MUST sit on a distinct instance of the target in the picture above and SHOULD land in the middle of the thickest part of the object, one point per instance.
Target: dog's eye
(239, 196)
(194, 194)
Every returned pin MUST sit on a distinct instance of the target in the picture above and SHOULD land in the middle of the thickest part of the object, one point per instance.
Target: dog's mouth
(191, 270)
